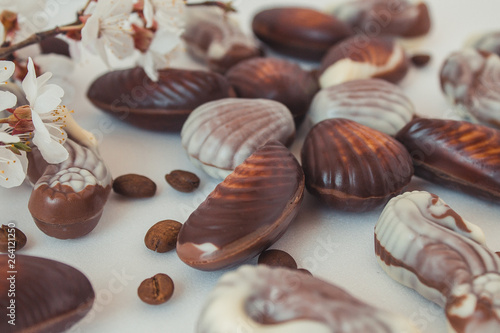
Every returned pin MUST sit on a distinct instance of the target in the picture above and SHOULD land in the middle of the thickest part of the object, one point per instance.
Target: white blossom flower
(159, 53)
(107, 28)
(168, 14)
(44, 100)
(12, 167)
(2, 33)
(7, 99)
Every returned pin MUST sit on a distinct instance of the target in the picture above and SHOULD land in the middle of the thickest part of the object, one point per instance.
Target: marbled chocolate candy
(425, 245)
(488, 42)
(399, 18)
(299, 32)
(131, 96)
(215, 38)
(275, 79)
(471, 81)
(360, 57)
(48, 296)
(278, 300)
(246, 213)
(352, 167)
(68, 198)
(375, 103)
(456, 154)
(220, 135)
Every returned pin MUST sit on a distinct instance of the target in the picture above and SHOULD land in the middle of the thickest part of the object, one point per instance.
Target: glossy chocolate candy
(47, 296)
(68, 198)
(246, 213)
(261, 299)
(131, 96)
(275, 79)
(398, 18)
(360, 57)
(300, 32)
(215, 38)
(352, 167)
(456, 154)
(425, 245)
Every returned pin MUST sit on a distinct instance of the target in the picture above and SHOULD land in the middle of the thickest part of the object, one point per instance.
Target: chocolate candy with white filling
(131, 96)
(246, 213)
(68, 198)
(216, 38)
(280, 300)
(456, 154)
(446, 261)
(276, 79)
(299, 32)
(352, 167)
(49, 296)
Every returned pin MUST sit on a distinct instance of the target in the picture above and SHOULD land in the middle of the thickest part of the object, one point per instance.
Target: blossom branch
(226, 6)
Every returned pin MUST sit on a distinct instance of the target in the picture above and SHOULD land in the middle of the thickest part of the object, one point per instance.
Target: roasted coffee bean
(156, 290)
(162, 237)
(420, 60)
(11, 239)
(183, 181)
(135, 186)
(277, 258)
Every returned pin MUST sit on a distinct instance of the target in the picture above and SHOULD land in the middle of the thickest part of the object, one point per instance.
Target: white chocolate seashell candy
(375, 103)
(220, 135)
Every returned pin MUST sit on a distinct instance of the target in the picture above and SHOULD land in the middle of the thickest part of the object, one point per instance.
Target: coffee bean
(162, 237)
(420, 60)
(134, 186)
(14, 236)
(305, 271)
(156, 290)
(277, 258)
(183, 181)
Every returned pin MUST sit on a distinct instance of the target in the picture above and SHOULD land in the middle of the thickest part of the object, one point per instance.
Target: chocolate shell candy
(456, 154)
(398, 18)
(275, 79)
(246, 213)
(48, 296)
(299, 32)
(68, 198)
(215, 38)
(220, 135)
(470, 80)
(352, 167)
(488, 42)
(261, 299)
(424, 244)
(371, 102)
(131, 96)
(360, 57)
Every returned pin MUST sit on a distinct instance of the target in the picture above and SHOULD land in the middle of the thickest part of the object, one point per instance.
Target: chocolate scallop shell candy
(456, 154)
(246, 213)
(216, 38)
(352, 167)
(488, 42)
(48, 296)
(299, 32)
(275, 79)
(220, 135)
(361, 57)
(131, 96)
(375, 103)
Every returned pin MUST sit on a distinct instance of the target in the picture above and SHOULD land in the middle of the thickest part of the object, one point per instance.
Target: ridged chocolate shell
(276, 79)
(404, 18)
(49, 296)
(215, 38)
(456, 154)
(299, 32)
(68, 198)
(360, 57)
(488, 42)
(352, 167)
(132, 97)
(220, 135)
(375, 103)
(471, 81)
(246, 213)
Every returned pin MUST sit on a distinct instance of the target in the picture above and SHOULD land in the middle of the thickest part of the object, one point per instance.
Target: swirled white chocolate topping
(424, 244)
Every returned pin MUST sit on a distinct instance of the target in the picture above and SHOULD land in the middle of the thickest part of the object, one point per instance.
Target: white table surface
(333, 245)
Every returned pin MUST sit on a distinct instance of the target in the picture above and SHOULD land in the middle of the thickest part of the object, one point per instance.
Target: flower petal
(6, 68)
(29, 84)
(2, 33)
(49, 98)
(11, 168)
(7, 138)
(52, 151)
(148, 12)
(7, 100)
